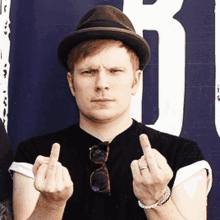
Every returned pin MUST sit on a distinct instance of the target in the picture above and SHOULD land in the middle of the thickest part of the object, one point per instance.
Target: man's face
(103, 84)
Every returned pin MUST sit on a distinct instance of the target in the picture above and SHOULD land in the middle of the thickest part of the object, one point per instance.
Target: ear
(70, 82)
(136, 81)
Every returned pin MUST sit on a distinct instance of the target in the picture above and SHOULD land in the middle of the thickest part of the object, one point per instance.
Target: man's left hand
(151, 174)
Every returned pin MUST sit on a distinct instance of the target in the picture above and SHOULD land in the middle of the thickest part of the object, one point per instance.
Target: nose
(102, 82)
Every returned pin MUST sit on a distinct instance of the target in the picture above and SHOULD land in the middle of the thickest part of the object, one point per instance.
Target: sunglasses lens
(99, 181)
(98, 153)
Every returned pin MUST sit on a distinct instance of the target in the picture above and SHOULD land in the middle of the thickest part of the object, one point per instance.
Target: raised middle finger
(54, 156)
(148, 153)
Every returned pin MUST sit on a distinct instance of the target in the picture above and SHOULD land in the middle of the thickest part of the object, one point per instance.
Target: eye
(88, 72)
(115, 70)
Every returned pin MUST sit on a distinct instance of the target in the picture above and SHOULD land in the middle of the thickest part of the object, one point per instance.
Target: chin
(105, 115)
(102, 117)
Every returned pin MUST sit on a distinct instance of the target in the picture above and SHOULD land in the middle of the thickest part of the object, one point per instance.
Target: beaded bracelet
(160, 202)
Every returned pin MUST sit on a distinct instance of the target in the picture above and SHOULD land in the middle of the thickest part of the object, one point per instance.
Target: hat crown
(105, 22)
(105, 16)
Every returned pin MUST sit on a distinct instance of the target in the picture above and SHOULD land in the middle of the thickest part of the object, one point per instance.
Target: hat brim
(130, 38)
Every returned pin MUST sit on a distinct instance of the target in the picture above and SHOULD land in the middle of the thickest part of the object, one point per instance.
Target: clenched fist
(52, 180)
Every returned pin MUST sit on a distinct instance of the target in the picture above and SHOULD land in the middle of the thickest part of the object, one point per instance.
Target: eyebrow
(90, 67)
(117, 67)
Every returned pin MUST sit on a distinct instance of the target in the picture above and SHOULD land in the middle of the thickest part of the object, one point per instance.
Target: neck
(107, 130)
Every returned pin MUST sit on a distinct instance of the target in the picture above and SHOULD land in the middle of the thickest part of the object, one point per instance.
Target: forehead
(109, 56)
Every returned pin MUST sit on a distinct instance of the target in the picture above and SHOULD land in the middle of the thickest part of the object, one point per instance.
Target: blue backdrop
(39, 98)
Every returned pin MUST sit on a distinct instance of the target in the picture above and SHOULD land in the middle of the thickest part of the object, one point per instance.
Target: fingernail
(143, 136)
(56, 145)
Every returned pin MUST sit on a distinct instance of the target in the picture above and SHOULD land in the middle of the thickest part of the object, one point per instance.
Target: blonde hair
(93, 47)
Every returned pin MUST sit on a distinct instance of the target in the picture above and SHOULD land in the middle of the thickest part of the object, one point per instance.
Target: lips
(102, 100)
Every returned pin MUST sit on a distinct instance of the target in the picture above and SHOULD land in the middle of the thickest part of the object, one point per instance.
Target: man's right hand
(52, 180)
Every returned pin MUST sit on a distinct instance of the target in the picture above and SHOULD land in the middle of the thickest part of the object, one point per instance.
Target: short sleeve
(182, 153)
(26, 152)
(190, 154)
(189, 161)
(23, 168)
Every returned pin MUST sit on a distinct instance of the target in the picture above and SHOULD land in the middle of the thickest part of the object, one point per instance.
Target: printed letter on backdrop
(171, 60)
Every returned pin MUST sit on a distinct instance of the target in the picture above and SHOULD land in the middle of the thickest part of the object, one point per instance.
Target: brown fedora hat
(105, 22)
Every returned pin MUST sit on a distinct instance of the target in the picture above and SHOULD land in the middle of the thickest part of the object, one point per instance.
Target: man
(108, 166)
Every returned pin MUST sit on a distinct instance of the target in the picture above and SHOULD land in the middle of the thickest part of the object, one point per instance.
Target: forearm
(44, 210)
(167, 211)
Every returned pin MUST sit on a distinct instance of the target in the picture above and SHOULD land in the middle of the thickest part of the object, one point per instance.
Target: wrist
(164, 198)
(53, 204)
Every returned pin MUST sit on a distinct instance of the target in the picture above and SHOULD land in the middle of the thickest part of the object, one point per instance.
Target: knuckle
(43, 166)
(165, 162)
(36, 160)
(167, 179)
(133, 163)
(59, 189)
(170, 174)
(48, 189)
(39, 158)
(52, 167)
(37, 185)
(165, 159)
(143, 157)
(150, 183)
(139, 162)
(65, 170)
(68, 186)
(59, 164)
(139, 181)
(149, 157)
(71, 184)
(157, 180)
(155, 151)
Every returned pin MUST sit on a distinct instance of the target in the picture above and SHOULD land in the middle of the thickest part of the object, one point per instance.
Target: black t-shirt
(74, 154)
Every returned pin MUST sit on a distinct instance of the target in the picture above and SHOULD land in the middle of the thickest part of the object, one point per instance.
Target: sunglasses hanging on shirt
(99, 179)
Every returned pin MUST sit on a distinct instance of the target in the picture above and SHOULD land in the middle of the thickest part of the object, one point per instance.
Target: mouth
(102, 100)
